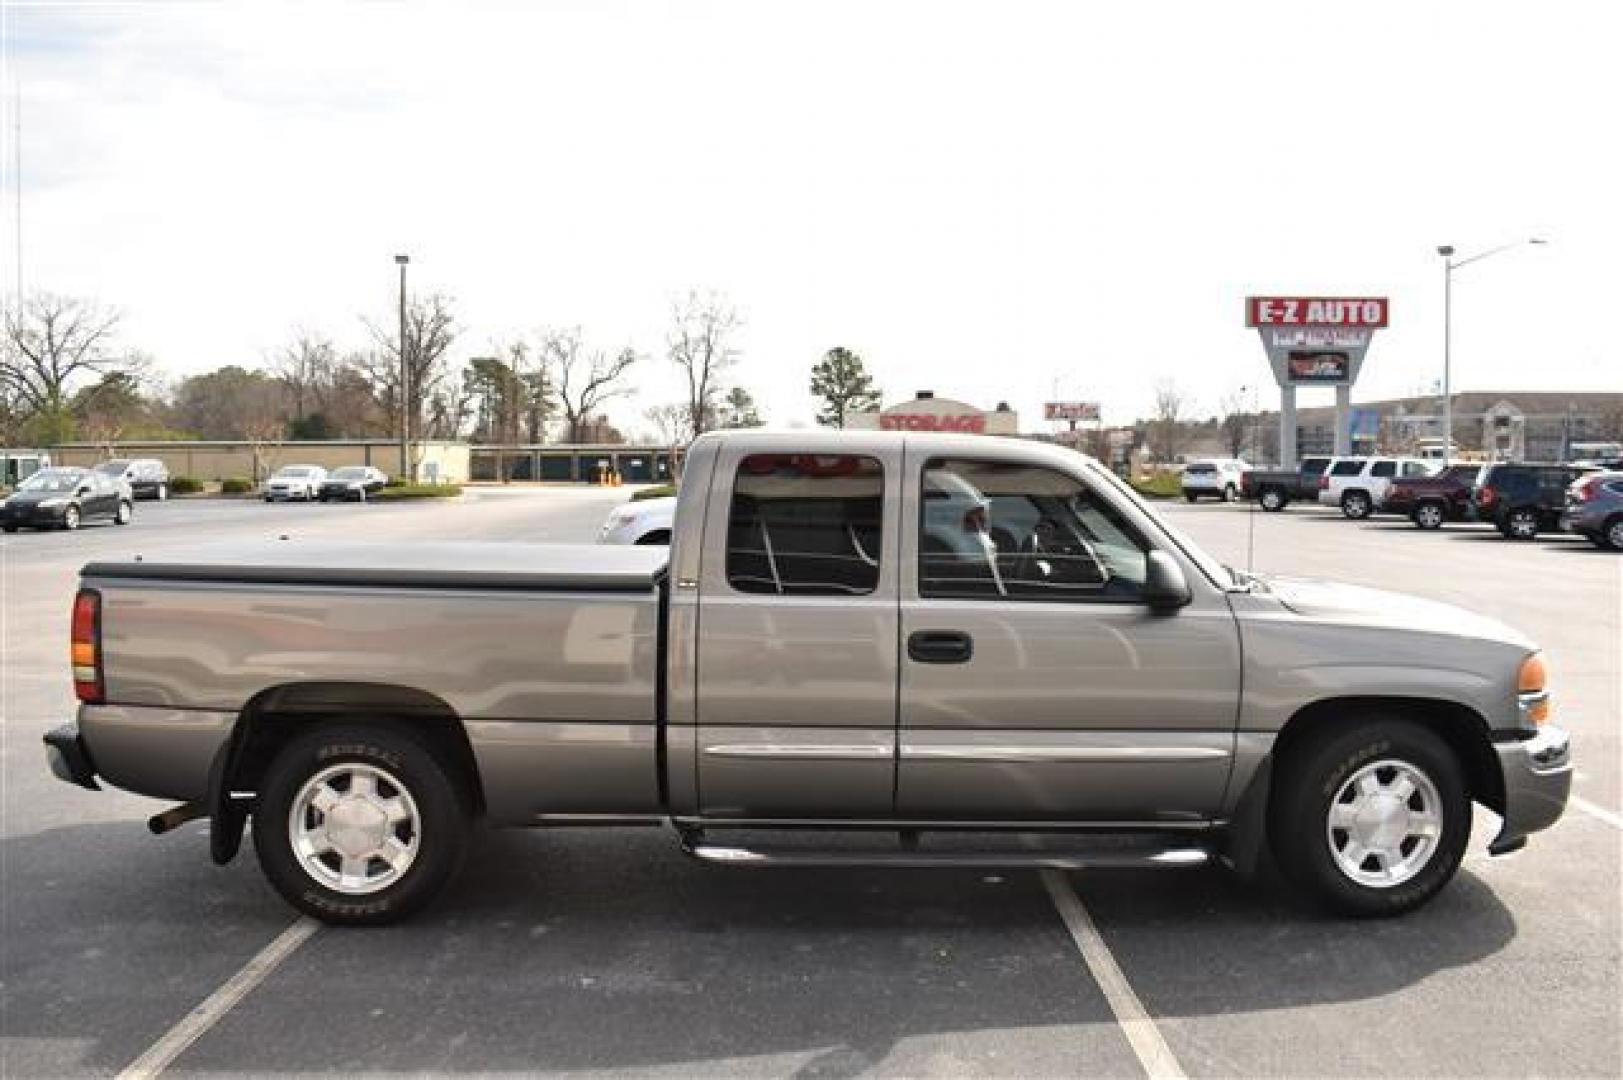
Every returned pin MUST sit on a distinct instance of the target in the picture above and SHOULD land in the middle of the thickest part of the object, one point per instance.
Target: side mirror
(1165, 588)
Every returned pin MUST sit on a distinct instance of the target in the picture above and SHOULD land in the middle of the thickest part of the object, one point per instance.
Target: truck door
(1035, 683)
(797, 625)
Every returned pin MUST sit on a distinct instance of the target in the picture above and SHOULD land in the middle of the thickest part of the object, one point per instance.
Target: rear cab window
(806, 525)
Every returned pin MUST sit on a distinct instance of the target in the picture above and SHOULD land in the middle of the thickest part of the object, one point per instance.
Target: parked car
(643, 521)
(1429, 501)
(902, 632)
(64, 498)
(351, 482)
(1594, 509)
(148, 477)
(1218, 478)
(1524, 499)
(290, 482)
(1359, 484)
(1275, 489)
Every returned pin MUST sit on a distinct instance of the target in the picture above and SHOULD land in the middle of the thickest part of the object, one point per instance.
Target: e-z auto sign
(1368, 312)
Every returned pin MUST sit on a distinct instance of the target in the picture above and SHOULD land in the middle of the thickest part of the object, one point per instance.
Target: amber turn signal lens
(1533, 676)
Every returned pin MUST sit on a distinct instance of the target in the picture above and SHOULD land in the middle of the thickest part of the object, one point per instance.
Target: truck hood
(1330, 601)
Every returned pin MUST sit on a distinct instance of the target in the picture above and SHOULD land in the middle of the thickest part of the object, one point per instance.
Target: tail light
(88, 682)
(1585, 489)
(1324, 482)
(1485, 495)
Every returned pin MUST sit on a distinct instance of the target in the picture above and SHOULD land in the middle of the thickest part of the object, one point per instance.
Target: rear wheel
(1611, 534)
(1522, 524)
(1190, 496)
(359, 825)
(1428, 515)
(1229, 494)
(1355, 505)
(1272, 500)
(70, 518)
(1370, 820)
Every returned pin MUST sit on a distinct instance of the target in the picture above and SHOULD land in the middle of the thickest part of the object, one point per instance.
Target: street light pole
(405, 379)
(1450, 264)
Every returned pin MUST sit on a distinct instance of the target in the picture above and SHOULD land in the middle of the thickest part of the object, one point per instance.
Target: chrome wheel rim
(70, 518)
(1354, 506)
(1430, 516)
(1615, 534)
(354, 828)
(1385, 824)
(1523, 525)
(1270, 500)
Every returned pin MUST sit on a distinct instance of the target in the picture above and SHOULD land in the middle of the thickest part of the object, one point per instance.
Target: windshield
(53, 480)
(350, 472)
(294, 470)
(113, 468)
(1209, 566)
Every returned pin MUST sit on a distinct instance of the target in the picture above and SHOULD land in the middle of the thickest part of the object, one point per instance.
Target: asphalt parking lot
(610, 952)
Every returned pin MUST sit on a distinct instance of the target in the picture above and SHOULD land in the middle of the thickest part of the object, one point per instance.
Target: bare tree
(306, 365)
(51, 342)
(700, 345)
(670, 423)
(1167, 431)
(586, 377)
(430, 331)
(1234, 422)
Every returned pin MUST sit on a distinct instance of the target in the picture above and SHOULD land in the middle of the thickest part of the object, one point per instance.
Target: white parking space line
(1142, 1034)
(214, 1007)
(1613, 819)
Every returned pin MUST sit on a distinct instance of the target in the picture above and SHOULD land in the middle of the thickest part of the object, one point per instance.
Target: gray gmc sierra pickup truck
(911, 649)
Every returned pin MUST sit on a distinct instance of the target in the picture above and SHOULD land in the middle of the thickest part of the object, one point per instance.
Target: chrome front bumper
(1538, 776)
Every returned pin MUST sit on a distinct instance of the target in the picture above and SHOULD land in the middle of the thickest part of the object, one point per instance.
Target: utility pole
(405, 379)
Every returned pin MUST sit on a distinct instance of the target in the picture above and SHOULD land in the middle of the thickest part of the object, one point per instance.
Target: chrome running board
(1157, 856)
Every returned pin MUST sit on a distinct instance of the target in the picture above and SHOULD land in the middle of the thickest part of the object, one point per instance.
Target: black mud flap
(1247, 831)
(227, 816)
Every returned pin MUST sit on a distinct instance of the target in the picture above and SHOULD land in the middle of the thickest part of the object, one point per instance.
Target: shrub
(236, 485)
(1159, 485)
(419, 491)
(658, 492)
(184, 485)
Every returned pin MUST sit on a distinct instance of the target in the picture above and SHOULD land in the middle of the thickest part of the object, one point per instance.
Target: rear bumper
(1538, 777)
(69, 758)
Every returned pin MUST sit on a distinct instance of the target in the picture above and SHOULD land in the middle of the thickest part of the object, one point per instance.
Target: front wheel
(1372, 820)
(163, 492)
(359, 826)
(1229, 494)
(70, 518)
(1190, 496)
(1272, 500)
(124, 514)
(1355, 505)
(1611, 534)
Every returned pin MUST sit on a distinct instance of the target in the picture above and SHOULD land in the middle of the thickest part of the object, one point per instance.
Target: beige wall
(219, 460)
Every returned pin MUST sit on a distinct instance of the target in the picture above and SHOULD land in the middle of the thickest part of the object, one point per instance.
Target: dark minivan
(1523, 500)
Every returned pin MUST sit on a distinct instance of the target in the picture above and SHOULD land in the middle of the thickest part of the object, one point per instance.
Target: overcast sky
(990, 200)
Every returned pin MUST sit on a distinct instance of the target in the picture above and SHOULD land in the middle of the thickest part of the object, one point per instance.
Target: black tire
(1190, 495)
(1308, 779)
(1272, 500)
(1429, 515)
(1610, 536)
(70, 518)
(1521, 524)
(444, 813)
(124, 514)
(1356, 505)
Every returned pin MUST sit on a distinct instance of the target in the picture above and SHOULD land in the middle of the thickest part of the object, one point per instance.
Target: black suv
(1524, 500)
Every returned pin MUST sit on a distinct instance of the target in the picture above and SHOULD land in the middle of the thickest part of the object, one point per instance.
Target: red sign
(1315, 311)
(975, 425)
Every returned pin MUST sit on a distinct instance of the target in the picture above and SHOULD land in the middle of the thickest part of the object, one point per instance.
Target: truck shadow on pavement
(611, 950)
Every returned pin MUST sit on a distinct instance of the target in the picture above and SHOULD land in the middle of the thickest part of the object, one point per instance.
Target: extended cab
(970, 651)
(1275, 489)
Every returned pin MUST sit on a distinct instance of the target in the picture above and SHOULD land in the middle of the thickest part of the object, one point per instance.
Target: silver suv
(1594, 510)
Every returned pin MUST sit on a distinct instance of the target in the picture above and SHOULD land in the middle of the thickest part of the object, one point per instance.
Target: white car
(1359, 484)
(644, 521)
(1216, 477)
(291, 482)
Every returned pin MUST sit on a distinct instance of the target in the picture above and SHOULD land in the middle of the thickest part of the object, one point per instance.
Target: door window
(806, 525)
(1004, 531)
(1384, 468)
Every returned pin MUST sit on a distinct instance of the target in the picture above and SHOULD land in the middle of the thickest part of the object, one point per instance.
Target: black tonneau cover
(436, 565)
